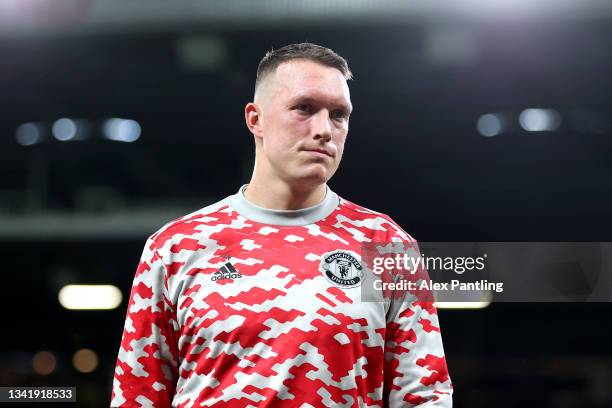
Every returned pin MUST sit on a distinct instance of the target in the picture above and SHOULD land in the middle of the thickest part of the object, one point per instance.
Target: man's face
(305, 109)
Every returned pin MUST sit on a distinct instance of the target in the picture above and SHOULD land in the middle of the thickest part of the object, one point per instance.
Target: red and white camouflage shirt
(241, 306)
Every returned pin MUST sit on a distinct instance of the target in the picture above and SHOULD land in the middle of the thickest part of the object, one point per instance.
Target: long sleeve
(146, 369)
(415, 371)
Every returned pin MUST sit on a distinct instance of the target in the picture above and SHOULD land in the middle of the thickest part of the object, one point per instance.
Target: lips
(322, 151)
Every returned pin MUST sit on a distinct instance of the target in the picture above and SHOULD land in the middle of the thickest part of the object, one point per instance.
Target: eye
(303, 107)
(338, 114)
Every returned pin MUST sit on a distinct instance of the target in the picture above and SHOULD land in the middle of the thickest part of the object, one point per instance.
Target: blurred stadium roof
(18, 17)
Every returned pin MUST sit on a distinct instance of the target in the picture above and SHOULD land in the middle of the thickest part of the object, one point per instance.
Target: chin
(311, 175)
(320, 177)
(312, 178)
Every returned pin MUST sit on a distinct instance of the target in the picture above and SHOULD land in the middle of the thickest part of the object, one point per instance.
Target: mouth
(319, 152)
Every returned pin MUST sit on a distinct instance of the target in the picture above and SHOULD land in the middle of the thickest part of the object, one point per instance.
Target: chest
(249, 291)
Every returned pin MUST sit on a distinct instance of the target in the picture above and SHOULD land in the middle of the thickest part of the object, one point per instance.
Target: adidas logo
(227, 271)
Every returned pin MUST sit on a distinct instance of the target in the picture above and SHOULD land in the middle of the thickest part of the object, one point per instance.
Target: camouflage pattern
(229, 312)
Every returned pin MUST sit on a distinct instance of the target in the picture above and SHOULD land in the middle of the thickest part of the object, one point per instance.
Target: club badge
(342, 268)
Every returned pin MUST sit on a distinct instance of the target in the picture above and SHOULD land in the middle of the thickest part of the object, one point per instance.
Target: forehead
(300, 77)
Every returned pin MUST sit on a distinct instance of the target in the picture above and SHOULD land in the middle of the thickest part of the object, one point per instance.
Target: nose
(322, 128)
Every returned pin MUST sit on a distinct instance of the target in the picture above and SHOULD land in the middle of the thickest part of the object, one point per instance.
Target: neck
(280, 195)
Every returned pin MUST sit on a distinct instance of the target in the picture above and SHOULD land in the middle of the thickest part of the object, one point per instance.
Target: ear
(254, 119)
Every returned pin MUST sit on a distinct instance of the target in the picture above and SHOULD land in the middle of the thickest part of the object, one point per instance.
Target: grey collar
(303, 216)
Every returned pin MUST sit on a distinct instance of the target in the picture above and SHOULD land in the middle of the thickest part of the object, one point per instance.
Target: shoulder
(189, 226)
(374, 220)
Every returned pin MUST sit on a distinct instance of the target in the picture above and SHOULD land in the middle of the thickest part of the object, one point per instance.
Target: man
(255, 300)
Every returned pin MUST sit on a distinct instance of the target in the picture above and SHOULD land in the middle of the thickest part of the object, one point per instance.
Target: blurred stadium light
(43, 362)
(90, 297)
(539, 120)
(121, 130)
(64, 129)
(490, 124)
(28, 134)
(85, 360)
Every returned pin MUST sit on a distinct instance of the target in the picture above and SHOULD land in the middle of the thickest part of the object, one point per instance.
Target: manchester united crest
(342, 268)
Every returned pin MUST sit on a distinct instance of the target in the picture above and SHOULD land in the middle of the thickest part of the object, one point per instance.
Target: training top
(237, 305)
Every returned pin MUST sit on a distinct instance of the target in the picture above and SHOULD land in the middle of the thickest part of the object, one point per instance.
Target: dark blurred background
(473, 122)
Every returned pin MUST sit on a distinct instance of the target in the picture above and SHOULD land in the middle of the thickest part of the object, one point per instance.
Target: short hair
(309, 51)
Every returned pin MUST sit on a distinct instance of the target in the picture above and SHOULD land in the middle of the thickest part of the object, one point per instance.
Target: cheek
(286, 133)
(339, 142)
(280, 146)
(274, 134)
